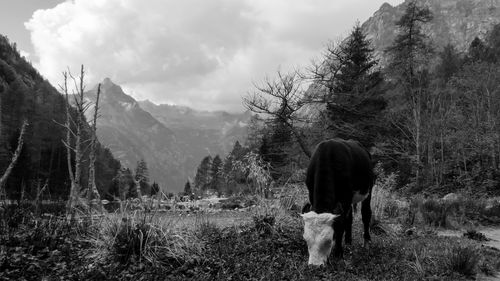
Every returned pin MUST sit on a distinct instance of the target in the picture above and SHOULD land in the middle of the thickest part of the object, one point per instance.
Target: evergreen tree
(356, 74)
(142, 176)
(478, 51)
(122, 186)
(355, 99)
(238, 151)
(202, 178)
(155, 188)
(493, 41)
(449, 64)
(216, 175)
(410, 54)
(187, 188)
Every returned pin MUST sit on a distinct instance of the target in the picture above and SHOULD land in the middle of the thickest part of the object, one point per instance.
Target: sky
(205, 54)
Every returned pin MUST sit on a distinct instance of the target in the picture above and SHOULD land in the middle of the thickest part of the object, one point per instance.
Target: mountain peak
(386, 6)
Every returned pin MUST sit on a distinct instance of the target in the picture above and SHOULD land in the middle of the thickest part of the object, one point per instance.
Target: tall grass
(381, 192)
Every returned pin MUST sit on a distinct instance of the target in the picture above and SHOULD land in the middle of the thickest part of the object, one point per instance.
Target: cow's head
(318, 233)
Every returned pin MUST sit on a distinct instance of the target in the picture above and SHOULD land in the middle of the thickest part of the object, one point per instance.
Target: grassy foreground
(268, 245)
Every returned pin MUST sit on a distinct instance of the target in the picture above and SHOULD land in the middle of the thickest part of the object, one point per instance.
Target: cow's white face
(318, 233)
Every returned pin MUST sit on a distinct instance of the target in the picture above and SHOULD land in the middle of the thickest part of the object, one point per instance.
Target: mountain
(133, 134)
(171, 139)
(26, 95)
(455, 21)
(205, 132)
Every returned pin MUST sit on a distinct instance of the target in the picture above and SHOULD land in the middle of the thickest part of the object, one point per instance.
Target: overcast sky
(200, 53)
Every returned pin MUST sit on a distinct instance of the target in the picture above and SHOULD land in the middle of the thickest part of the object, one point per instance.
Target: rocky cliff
(455, 21)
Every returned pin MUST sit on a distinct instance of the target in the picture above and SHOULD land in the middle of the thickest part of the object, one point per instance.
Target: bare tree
(15, 157)
(92, 192)
(281, 99)
(74, 129)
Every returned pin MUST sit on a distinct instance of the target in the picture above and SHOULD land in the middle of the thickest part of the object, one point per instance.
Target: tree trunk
(15, 157)
(92, 187)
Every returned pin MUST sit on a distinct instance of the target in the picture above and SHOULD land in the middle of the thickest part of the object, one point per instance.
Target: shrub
(293, 197)
(130, 240)
(264, 224)
(463, 260)
(435, 212)
(391, 209)
(475, 235)
(381, 191)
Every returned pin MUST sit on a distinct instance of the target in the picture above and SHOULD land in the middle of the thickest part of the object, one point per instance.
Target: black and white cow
(339, 175)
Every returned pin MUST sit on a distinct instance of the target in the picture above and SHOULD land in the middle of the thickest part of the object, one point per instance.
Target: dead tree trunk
(73, 189)
(92, 192)
(15, 157)
(75, 197)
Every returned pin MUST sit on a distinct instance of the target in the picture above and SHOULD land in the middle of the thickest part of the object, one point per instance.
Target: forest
(431, 115)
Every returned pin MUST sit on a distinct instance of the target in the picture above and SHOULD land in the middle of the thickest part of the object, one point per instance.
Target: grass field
(261, 243)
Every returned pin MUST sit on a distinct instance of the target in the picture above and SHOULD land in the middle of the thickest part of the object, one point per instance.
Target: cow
(339, 175)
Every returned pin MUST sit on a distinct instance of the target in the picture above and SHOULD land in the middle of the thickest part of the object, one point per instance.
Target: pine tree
(155, 188)
(187, 189)
(142, 176)
(355, 100)
(238, 151)
(410, 54)
(202, 178)
(478, 51)
(216, 175)
(450, 63)
(356, 73)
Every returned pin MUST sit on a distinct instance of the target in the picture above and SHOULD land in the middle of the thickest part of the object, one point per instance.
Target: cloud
(200, 53)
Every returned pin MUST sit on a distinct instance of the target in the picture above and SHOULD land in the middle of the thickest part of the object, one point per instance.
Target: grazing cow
(339, 175)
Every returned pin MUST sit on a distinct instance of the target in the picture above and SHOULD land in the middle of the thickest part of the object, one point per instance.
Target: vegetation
(430, 120)
(151, 246)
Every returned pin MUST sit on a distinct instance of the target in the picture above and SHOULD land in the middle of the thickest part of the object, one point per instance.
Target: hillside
(203, 132)
(133, 134)
(455, 22)
(25, 94)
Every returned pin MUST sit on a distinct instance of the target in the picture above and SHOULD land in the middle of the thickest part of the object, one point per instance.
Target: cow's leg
(348, 227)
(338, 229)
(366, 214)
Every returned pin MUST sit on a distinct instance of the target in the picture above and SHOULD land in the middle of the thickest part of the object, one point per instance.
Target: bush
(475, 235)
(264, 224)
(463, 260)
(391, 209)
(436, 212)
(381, 191)
(130, 240)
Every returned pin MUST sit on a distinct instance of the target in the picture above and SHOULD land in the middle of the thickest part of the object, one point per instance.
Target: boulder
(451, 197)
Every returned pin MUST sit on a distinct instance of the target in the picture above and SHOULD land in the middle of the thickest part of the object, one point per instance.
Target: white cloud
(194, 52)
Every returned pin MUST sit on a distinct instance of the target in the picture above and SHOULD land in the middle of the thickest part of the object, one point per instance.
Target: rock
(451, 197)
(410, 231)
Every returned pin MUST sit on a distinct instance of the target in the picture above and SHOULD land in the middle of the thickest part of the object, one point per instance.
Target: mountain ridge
(171, 139)
(454, 22)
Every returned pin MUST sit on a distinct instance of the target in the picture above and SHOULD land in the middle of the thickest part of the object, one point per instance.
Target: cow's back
(337, 169)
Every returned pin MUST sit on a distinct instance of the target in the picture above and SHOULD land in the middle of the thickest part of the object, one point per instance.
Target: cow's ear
(309, 215)
(332, 219)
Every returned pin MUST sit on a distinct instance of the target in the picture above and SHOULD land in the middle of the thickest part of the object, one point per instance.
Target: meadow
(259, 242)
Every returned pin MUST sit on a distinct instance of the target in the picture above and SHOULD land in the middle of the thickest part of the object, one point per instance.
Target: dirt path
(493, 234)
